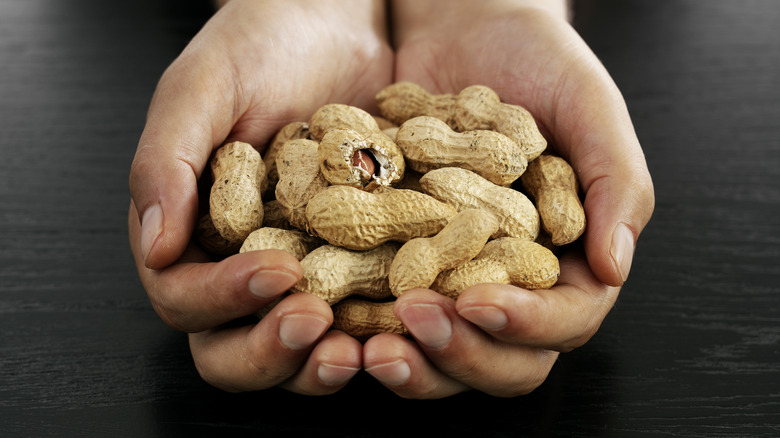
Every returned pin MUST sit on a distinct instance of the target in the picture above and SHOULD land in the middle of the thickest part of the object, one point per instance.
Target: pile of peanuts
(438, 191)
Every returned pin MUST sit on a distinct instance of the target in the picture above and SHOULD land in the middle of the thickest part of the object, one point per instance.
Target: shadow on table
(576, 397)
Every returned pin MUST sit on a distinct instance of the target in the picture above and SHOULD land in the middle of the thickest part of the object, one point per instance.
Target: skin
(246, 74)
(240, 79)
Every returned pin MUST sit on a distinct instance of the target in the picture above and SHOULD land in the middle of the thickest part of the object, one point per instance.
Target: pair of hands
(256, 66)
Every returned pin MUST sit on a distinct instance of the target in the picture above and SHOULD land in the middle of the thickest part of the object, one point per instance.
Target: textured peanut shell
(289, 131)
(507, 260)
(461, 188)
(341, 116)
(295, 242)
(428, 144)
(337, 148)
(299, 179)
(476, 271)
(355, 219)
(479, 107)
(551, 181)
(334, 273)
(391, 132)
(362, 319)
(383, 123)
(235, 202)
(208, 238)
(402, 101)
(420, 260)
(273, 216)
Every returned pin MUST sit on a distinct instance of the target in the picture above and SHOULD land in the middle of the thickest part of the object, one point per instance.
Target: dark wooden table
(691, 349)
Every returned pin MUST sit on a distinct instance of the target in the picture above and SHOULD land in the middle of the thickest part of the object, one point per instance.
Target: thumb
(181, 131)
(618, 205)
(598, 137)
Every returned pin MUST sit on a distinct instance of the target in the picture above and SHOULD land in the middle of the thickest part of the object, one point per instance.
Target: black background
(692, 347)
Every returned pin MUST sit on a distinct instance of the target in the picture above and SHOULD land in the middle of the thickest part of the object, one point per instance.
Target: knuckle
(173, 317)
(529, 379)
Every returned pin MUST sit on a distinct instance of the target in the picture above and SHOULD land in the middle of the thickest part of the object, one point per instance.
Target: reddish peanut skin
(362, 161)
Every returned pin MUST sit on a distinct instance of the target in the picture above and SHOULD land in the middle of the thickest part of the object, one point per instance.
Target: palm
(276, 72)
(524, 60)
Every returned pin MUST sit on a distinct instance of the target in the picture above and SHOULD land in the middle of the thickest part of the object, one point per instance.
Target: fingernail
(428, 324)
(300, 331)
(270, 283)
(151, 227)
(622, 249)
(392, 373)
(334, 375)
(486, 317)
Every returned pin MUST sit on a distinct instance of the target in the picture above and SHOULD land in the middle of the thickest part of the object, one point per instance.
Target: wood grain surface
(692, 347)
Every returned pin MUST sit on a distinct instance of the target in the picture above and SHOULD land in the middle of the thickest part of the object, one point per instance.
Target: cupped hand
(499, 339)
(254, 67)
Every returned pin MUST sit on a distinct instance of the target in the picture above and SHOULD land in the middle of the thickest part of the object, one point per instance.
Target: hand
(254, 67)
(503, 340)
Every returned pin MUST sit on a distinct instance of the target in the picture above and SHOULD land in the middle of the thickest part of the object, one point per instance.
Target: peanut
(384, 124)
(551, 181)
(373, 206)
(359, 220)
(273, 216)
(334, 273)
(402, 101)
(461, 188)
(507, 260)
(209, 239)
(391, 132)
(363, 161)
(299, 179)
(479, 107)
(341, 116)
(420, 260)
(235, 202)
(290, 131)
(362, 319)
(452, 282)
(294, 242)
(428, 144)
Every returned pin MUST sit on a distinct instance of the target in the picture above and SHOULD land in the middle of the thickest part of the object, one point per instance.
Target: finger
(402, 367)
(195, 294)
(466, 353)
(592, 128)
(260, 356)
(189, 114)
(562, 318)
(330, 366)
